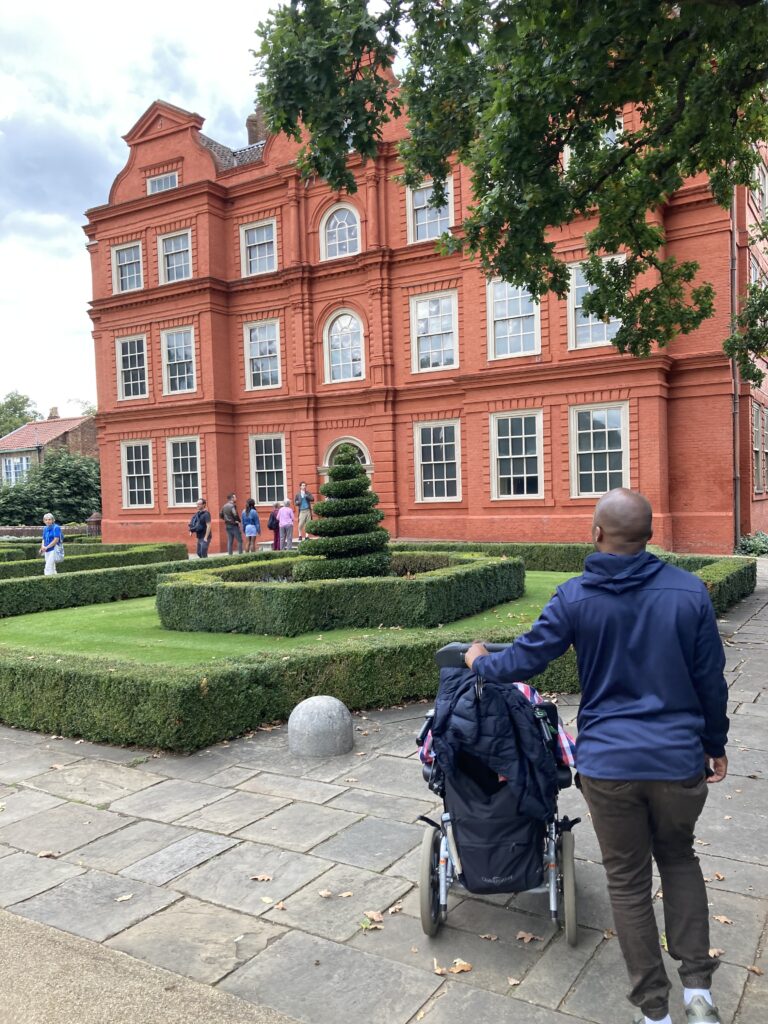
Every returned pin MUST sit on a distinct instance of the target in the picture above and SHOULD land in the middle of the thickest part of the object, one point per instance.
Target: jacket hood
(619, 573)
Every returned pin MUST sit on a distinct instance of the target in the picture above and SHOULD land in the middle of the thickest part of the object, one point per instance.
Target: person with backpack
(200, 526)
(251, 525)
(232, 522)
(52, 546)
(273, 524)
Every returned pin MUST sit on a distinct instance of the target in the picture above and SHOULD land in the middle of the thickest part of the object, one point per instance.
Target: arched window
(343, 345)
(360, 449)
(339, 233)
(361, 457)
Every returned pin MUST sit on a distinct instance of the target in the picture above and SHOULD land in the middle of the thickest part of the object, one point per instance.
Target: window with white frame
(178, 360)
(437, 455)
(760, 191)
(262, 355)
(765, 447)
(339, 233)
(176, 257)
(183, 470)
(258, 252)
(585, 330)
(127, 273)
(516, 455)
(758, 447)
(427, 222)
(137, 474)
(433, 331)
(15, 469)
(609, 138)
(599, 445)
(513, 320)
(132, 367)
(269, 468)
(343, 345)
(162, 183)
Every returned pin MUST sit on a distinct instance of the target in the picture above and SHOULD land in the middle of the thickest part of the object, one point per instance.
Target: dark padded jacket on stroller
(498, 825)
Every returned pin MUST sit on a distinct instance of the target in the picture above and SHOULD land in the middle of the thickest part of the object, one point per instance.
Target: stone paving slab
(307, 790)
(557, 970)
(169, 800)
(746, 731)
(95, 782)
(371, 843)
(62, 745)
(298, 826)
(228, 881)
(233, 812)
(394, 776)
(198, 940)
(22, 876)
(24, 803)
(408, 866)
(33, 761)
(338, 917)
(231, 778)
(133, 843)
(9, 732)
(483, 918)
(380, 806)
(321, 982)
(95, 905)
(180, 857)
(739, 876)
(61, 829)
(189, 768)
(458, 1004)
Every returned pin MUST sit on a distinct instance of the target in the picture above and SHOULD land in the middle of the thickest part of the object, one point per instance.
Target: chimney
(54, 413)
(256, 125)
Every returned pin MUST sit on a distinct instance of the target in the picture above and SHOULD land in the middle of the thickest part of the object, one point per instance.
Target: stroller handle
(452, 655)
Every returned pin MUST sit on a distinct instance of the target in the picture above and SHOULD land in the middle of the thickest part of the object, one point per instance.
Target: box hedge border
(254, 599)
(140, 554)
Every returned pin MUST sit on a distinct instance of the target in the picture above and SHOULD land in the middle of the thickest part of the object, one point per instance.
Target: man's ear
(597, 534)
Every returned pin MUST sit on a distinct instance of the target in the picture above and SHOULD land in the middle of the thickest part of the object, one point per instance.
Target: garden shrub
(754, 544)
(143, 554)
(536, 557)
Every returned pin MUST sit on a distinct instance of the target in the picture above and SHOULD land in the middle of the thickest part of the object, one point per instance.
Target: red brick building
(246, 324)
(28, 445)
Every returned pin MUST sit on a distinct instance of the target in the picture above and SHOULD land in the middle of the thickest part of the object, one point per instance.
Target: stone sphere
(320, 727)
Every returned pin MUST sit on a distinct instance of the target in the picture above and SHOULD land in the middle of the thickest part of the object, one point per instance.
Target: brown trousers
(634, 821)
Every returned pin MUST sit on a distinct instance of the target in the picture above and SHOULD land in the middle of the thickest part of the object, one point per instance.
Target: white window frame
(244, 272)
(161, 268)
(124, 471)
(249, 386)
(171, 176)
(116, 289)
(15, 469)
(494, 422)
(758, 448)
(413, 301)
(324, 224)
(327, 348)
(573, 267)
(121, 396)
(164, 354)
(419, 496)
(169, 443)
(573, 454)
(492, 357)
(411, 213)
(606, 141)
(252, 439)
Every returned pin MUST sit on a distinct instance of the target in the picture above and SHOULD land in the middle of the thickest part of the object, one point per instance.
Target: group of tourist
(247, 523)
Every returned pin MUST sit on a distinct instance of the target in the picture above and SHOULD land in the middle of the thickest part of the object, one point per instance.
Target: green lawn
(131, 630)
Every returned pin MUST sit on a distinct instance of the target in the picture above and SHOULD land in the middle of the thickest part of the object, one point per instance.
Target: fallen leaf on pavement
(124, 897)
(719, 876)
(350, 779)
(345, 895)
(459, 966)
(513, 981)
(754, 969)
(267, 899)
(437, 968)
(280, 906)
(490, 938)
(727, 817)
(47, 853)
(715, 952)
(414, 949)
(663, 941)
(396, 908)
(700, 842)
(609, 933)
(722, 919)
(528, 937)
(325, 893)
(261, 878)
(374, 915)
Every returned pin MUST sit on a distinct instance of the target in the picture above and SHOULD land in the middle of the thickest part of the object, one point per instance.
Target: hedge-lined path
(159, 857)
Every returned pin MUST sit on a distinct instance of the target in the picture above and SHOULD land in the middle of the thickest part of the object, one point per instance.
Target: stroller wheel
(429, 882)
(568, 887)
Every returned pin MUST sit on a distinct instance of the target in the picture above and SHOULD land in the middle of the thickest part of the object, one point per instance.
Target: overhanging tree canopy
(528, 95)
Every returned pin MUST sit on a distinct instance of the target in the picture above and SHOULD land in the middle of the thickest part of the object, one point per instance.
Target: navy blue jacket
(653, 695)
(500, 730)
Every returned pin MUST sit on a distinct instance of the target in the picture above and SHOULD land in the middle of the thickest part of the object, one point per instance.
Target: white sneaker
(699, 1011)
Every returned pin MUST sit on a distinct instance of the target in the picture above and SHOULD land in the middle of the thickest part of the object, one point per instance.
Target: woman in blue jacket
(251, 525)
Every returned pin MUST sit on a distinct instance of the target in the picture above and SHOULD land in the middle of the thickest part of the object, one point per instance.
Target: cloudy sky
(74, 78)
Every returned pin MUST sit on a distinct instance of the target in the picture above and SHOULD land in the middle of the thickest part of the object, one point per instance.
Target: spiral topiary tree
(346, 529)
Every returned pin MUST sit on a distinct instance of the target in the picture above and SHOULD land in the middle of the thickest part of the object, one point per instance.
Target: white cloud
(74, 80)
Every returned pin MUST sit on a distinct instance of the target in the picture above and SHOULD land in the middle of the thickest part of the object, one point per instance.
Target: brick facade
(173, 287)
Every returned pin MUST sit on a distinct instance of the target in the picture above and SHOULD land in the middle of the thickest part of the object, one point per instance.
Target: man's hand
(477, 650)
(719, 767)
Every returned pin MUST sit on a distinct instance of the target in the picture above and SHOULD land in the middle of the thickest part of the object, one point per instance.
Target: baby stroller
(482, 840)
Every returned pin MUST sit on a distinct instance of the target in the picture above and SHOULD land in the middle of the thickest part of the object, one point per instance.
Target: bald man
(652, 734)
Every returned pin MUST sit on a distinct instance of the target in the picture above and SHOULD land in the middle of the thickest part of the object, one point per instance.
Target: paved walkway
(247, 874)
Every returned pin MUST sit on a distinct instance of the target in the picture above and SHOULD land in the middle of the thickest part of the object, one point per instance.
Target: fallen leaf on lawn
(261, 878)
(490, 938)
(325, 893)
(722, 919)
(609, 933)
(374, 915)
(345, 895)
(437, 968)
(754, 969)
(267, 899)
(396, 908)
(528, 937)
(513, 981)
(459, 966)
(46, 853)
(719, 876)
(126, 896)
(280, 906)
(715, 952)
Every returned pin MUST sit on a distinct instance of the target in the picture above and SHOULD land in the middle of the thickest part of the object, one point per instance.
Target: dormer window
(162, 183)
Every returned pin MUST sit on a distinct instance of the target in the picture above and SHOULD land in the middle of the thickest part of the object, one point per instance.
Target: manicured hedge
(728, 581)
(184, 709)
(536, 557)
(142, 554)
(98, 586)
(220, 600)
